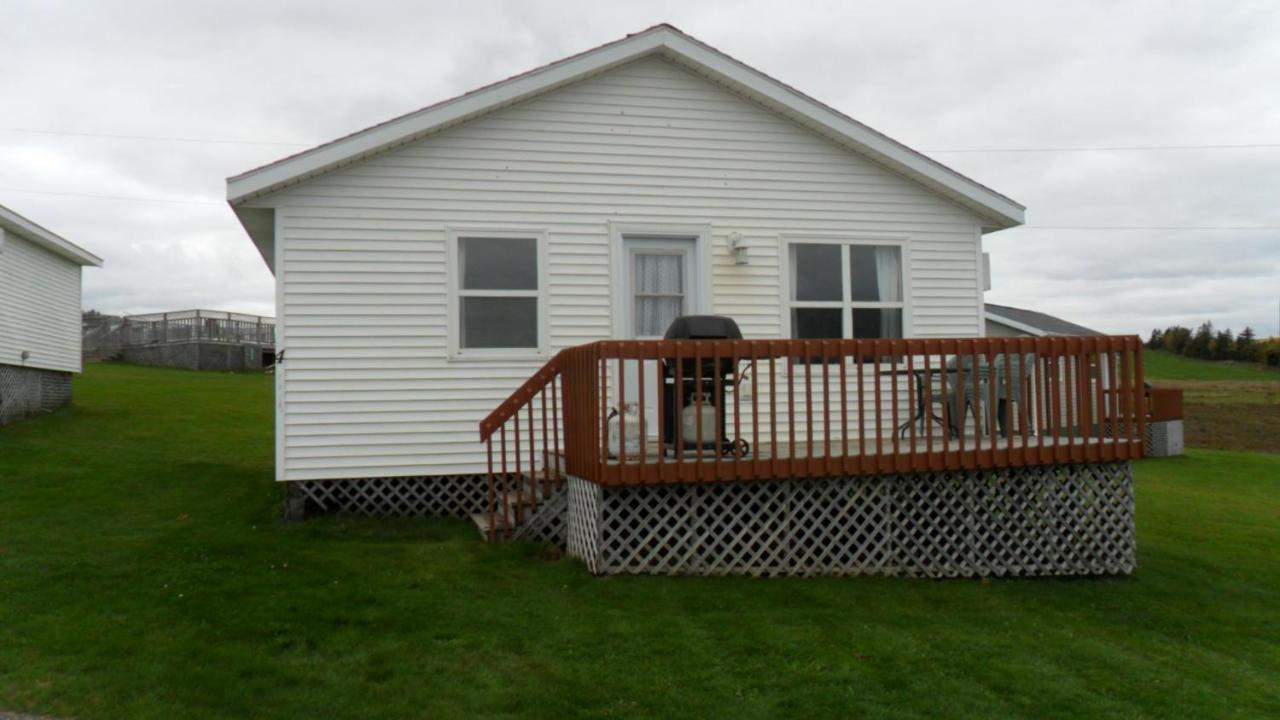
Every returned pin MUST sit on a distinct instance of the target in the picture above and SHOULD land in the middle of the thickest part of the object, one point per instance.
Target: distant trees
(1207, 344)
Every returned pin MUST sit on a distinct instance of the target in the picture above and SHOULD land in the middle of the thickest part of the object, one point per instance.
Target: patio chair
(960, 400)
(1012, 386)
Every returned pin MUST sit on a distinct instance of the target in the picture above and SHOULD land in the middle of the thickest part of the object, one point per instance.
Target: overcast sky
(936, 76)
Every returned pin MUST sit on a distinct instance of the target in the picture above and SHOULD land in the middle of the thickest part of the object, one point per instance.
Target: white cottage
(429, 267)
(39, 316)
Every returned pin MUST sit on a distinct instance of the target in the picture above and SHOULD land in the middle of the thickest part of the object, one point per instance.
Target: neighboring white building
(1006, 321)
(427, 266)
(39, 316)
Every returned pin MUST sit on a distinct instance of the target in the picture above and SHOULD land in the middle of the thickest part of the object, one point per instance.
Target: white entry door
(658, 284)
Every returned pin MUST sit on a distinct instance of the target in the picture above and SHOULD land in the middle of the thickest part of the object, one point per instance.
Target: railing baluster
(506, 506)
(660, 380)
(826, 405)
(518, 480)
(947, 419)
(533, 468)
(493, 498)
(642, 410)
(791, 406)
(773, 410)
(1140, 414)
(755, 410)
(808, 407)
(844, 409)
(678, 411)
(913, 402)
(697, 403)
(622, 415)
(735, 349)
(927, 415)
(717, 394)
(862, 407)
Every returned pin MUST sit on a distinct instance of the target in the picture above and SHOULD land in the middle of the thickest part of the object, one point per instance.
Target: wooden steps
(521, 501)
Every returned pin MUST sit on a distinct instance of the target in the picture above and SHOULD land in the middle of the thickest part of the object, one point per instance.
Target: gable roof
(12, 222)
(667, 41)
(1035, 323)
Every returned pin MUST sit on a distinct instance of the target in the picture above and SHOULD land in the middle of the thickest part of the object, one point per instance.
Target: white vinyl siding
(371, 387)
(39, 306)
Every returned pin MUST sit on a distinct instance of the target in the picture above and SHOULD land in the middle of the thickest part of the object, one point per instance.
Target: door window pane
(499, 322)
(659, 291)
(817, 322)
(815, 272)
(498, 263)
(875, 273)
(877, 323)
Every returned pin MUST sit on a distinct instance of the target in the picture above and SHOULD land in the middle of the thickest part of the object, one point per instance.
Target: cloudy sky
(119, 122)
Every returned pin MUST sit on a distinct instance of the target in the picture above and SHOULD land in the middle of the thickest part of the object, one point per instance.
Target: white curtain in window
(659, 291)
(889, 273)
(889, 281)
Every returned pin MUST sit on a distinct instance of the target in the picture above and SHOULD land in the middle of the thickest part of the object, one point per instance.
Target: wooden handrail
(523, 394)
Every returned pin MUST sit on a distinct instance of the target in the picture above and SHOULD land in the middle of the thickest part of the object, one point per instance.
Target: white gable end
(362, 262)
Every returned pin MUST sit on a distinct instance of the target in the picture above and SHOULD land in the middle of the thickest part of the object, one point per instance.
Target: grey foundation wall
(27, 391)
(1051, 520)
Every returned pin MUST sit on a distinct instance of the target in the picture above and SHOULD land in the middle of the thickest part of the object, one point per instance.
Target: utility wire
(113, 197)
(1122, 228)
(1110, 148)
(155, 138)
(1147, 227)
(1098, 148)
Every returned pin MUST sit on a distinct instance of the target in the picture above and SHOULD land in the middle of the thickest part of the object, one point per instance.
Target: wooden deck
(805, 450)
(819, 409)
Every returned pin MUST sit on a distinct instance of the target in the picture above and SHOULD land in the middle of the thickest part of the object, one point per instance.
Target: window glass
(815, 272)
(807, 323)
(499, 322)
(877, 323)
(875, 273)
(498, 263)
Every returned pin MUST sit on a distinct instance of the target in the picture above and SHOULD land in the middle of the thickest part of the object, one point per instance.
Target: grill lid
(703, 327)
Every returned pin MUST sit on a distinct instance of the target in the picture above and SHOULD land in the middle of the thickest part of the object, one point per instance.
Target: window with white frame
(498, 293)
(846, 290)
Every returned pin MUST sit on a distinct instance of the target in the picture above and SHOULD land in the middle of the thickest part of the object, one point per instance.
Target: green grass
(144, 573)
(1163, 365)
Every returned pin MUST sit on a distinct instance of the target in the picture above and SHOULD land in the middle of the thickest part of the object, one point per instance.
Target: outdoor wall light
(738, 248)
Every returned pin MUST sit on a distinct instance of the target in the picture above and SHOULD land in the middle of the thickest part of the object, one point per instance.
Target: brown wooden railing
(632, 412)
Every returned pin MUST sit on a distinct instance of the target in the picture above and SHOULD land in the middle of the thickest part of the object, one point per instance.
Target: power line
(1047, 149)
(1149, 227)
(112, 197)
(1120, 228)
(1111, 148)
(156, 138)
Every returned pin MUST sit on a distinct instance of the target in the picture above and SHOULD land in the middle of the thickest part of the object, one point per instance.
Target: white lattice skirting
(1050, 520)
(432, 495)
(26, 391)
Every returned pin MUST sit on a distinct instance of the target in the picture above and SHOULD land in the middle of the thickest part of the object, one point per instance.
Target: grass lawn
(144, 572)
(1162, 365)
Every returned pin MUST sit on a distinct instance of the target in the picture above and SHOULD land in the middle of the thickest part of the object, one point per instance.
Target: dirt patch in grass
(1230, 414)
(1233, 426)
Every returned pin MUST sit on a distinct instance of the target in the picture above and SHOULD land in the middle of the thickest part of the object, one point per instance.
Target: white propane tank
(699, 413)
(634, 430)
